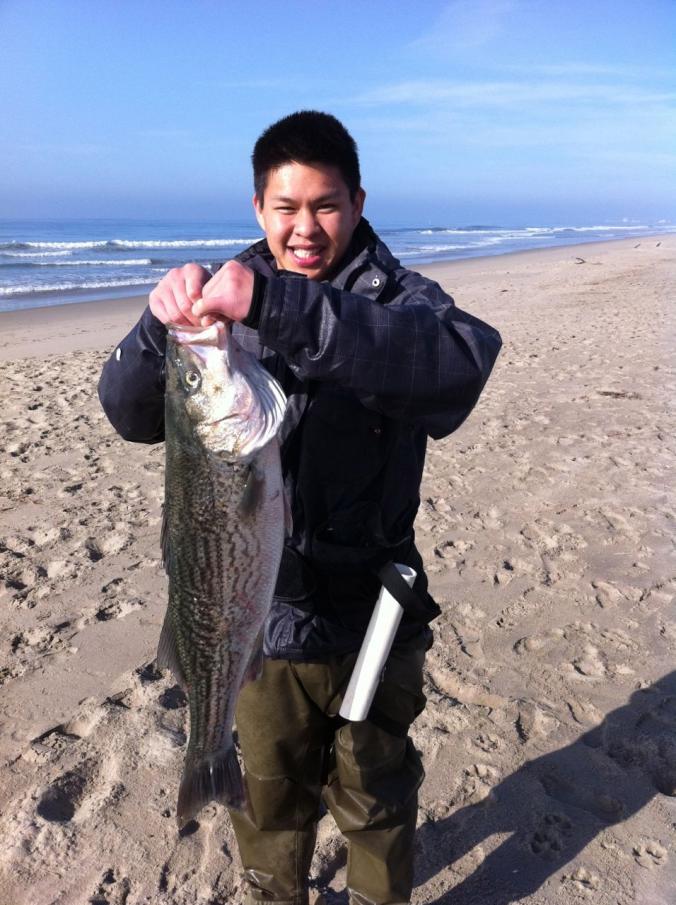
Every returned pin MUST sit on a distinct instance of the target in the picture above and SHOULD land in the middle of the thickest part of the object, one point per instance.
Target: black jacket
(372, 363)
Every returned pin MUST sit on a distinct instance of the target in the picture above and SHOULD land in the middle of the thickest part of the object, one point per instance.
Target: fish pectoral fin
(255, 665)
(254, 490)
(167, 652)
(215, 777)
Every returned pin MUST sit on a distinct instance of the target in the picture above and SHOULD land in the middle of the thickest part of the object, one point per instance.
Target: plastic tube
(374, 651)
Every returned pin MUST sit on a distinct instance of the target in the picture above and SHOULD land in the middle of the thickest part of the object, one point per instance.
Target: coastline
(85, 324)
(546, 528)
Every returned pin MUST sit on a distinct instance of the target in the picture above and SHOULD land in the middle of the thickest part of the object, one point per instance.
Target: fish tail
(215, 777)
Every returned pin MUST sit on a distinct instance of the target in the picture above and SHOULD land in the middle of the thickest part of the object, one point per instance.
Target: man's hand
(227, 296)
(172, 299)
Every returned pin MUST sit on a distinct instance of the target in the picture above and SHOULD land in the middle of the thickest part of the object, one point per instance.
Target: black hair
(306, 137)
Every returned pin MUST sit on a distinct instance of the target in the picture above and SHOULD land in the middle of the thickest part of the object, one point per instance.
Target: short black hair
(306, 137)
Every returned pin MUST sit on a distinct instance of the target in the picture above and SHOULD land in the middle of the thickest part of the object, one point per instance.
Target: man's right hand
(172, 299)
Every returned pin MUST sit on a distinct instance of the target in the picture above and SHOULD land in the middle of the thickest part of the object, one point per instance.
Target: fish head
(220, 392)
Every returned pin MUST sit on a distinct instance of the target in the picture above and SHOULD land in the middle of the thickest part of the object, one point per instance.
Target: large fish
(223, 533)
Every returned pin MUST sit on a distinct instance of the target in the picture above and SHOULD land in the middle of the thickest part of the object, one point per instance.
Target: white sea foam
(34, 254)
(429, 250)
(121, 262)
(70, 246)
(517, 233)
(129, 243)
(8, 291)
(456, 231)
(179, 243)
(598, 229)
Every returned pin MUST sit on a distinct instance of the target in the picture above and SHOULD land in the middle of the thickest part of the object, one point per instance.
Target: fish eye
(193, 380)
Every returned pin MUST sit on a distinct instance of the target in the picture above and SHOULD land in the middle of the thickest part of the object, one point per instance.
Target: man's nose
(306, 222)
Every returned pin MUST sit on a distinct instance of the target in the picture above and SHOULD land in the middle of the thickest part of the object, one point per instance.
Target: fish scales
(223, 535)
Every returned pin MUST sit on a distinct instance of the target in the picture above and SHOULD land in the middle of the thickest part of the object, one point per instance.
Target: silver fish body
(223, 534)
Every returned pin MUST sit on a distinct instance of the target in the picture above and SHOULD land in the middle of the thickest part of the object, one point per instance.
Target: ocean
(56, 262)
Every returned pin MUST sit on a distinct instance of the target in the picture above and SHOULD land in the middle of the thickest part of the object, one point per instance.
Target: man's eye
(284, 210)
(327, 208)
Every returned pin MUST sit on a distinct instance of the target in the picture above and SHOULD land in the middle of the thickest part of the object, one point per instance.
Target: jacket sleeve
(131, 386)
(417, 358)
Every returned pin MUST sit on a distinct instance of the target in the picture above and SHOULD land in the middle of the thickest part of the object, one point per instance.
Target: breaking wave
(119, 262)
(38, 288)
(126, 244)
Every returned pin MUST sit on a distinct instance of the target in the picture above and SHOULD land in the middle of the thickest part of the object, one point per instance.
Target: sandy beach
(547, 526)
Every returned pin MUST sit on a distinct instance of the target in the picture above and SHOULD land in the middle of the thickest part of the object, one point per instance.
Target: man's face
(308, 217)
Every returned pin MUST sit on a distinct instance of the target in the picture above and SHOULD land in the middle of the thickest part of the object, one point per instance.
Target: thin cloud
(508, 94)
(576, 69)
(466, 24)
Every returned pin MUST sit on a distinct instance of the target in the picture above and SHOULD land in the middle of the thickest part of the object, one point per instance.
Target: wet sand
(547, 525)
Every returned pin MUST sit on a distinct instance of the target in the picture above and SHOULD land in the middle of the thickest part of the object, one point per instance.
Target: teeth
(304, 252)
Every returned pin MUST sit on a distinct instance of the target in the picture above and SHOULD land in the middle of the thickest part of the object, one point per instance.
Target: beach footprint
(603, 806)
(549, 840)
(583, 880)
(112, 889)
(650, 854)
(62, 798)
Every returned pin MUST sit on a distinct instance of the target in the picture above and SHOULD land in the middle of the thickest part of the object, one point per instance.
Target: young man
(374, 359)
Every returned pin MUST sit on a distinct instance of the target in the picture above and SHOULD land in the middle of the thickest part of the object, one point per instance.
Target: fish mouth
(200, 340)
(187, 334)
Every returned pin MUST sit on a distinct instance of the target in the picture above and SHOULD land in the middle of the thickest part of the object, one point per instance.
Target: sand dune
(547, 526)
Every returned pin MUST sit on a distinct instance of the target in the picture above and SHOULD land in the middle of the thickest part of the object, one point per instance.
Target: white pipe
(374, 651)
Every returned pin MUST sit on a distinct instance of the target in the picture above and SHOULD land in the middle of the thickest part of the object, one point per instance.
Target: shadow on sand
(604, 777)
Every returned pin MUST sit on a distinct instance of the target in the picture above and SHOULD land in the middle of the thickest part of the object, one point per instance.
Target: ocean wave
(459, 231)
(527, 231)
(64, 246)
(430, 249)
(598, 229)
(127, 244)
(121, 262)
(179, 243)
(34, 254)
(38, 288)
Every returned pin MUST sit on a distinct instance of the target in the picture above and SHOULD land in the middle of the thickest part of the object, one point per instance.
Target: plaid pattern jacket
(372, 362)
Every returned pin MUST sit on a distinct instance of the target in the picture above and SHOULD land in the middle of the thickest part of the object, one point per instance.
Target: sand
(547, 527)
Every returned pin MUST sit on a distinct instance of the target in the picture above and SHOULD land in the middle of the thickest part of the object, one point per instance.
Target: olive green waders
(287, 728)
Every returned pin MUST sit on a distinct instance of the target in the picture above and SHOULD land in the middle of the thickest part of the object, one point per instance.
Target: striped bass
(223, 533)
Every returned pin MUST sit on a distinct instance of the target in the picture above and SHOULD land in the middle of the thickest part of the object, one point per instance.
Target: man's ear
(258, 210)
(358, 205)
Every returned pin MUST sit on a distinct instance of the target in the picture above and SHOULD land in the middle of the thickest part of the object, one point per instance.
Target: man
(373, 359)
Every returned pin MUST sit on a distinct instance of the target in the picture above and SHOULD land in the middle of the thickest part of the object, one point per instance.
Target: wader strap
(379, 719)
(406, 597)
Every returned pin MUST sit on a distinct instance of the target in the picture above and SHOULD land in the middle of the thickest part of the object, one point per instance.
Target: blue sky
(468, 111)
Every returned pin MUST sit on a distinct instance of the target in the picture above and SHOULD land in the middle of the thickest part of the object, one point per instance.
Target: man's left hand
(227, 295)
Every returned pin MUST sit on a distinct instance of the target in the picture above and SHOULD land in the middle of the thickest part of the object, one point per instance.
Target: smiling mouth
(307, 256)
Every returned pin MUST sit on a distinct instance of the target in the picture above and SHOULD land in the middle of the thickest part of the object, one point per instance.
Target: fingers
(228, 294)
(171, 301)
